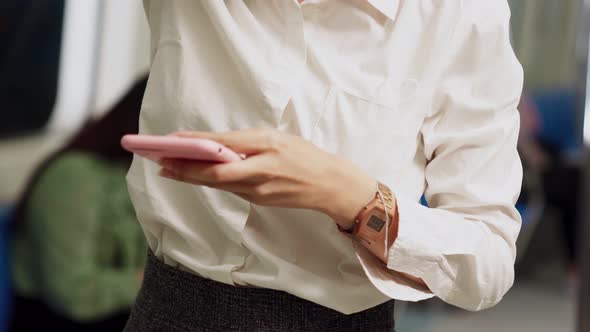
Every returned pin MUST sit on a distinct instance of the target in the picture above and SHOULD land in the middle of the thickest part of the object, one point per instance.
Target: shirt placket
(288, 59)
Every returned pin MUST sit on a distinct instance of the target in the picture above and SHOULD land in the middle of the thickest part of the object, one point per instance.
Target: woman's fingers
(248, 170)
(248, 191)
(169, 174)
(247, 141)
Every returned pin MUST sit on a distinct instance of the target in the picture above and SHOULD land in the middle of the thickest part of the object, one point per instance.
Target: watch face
(375, 223)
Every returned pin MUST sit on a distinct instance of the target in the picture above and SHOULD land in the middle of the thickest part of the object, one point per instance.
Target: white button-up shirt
(420, 94)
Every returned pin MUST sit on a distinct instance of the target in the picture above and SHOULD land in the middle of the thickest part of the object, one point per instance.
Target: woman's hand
(280, 170)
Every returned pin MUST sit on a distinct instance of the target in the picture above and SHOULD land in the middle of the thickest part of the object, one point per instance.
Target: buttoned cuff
(411, 254)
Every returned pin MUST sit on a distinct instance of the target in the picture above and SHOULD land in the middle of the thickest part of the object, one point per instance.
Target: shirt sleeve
(64, 216)
(463, 244)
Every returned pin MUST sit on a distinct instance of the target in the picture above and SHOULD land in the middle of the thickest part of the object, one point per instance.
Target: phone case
(156, 148)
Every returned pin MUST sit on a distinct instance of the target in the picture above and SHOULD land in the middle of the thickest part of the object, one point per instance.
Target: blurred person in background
(548, 147)
(531, 150)
(550, 143)
(562, 174)
(77, 249)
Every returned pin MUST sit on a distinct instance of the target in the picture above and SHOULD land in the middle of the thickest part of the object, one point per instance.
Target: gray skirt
(175, 300)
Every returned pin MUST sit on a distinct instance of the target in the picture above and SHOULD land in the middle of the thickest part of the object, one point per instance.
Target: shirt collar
(387, 7)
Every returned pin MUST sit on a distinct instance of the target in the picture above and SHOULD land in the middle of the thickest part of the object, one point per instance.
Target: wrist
(347, 196)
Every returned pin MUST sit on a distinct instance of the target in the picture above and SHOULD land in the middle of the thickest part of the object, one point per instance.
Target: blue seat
(558, 111)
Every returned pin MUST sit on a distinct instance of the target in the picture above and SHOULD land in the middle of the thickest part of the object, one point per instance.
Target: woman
(347, 111)
(77, 251)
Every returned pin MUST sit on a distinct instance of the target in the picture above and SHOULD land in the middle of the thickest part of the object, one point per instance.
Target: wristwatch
(375, 223)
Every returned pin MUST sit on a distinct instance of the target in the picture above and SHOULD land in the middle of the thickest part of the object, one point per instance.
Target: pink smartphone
(156, 148)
